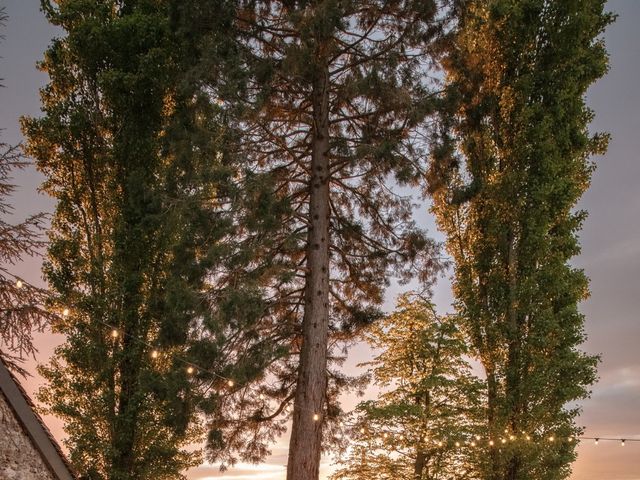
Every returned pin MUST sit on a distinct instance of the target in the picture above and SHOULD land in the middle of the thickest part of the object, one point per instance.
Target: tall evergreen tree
(21, 303)
(423, 426)
(331, 115)
(506, 185)
(131, 152)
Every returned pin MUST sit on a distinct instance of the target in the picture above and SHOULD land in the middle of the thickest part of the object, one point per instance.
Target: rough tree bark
(306, 434)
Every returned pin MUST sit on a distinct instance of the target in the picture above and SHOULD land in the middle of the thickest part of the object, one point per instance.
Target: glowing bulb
(341, 424)
(439, 444)
(385, 436)
(503, 440)
(362, 430)
(316, 417)
(230, 383)
(262, 396)
(491, 443)
(457, 444)
(473, 444)
(189, 369)
(597, 440)
(551, 438)
(154, 354)
(570, 439)
(114, 333)
(512, 437)
(65, 312)
(19, 284)
(622, 443)
(478, 437)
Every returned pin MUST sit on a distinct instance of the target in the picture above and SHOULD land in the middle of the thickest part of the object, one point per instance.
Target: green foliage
(506, 183)
(140, 187)
(376, 57)
(423, 423)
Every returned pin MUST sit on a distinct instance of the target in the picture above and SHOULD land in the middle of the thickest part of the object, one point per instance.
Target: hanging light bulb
(19, 284)
(491, 443)
(189, 369)
(230, 383)
(114, 333)
(622, 443)
(597, 440)
(154, 354)
(316, 417)
(552, 438)
(457, 444)
(503, 440)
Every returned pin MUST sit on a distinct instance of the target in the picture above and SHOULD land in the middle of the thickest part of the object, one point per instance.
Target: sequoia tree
(331, 113)
(506, 182)
(424, 423)
(131, 153)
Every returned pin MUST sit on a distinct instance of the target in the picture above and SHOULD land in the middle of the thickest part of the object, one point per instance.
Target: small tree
(423, 425)
(21, 303)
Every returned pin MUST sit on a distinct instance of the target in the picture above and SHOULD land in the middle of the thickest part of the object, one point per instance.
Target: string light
(154, 354)
(551, 438)
(230, 383)
(65, 312)
(512, 438)
(316, 417)
(262, 398)
(528, 438)
(622, 443)
(491, 443)
(189, 369)
(114, 333)
(597, 440)
(503, 440)
(19, 284)
(457, 444)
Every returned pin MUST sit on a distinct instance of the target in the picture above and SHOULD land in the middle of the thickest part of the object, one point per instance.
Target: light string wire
(193, 368)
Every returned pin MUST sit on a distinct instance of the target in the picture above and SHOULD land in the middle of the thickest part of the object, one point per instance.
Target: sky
(610, 239)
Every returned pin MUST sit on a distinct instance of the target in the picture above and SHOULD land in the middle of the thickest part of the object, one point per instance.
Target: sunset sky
(610, 239)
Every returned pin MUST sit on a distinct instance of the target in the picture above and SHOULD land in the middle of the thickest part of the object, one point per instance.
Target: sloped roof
(24, 410)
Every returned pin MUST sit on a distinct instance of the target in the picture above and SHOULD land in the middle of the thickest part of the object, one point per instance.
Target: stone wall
(19, 459)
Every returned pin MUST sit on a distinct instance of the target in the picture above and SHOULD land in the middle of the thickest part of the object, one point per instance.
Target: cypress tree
(506, 183)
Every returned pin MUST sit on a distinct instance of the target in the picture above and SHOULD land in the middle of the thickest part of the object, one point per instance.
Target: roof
(42, 439)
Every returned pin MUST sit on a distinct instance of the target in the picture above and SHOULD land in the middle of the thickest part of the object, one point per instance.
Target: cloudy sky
(610, 239)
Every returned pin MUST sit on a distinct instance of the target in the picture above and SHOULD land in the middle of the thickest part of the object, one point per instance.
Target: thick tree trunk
(513, 370)
(420, 465)
(492, 398)
(306, 433)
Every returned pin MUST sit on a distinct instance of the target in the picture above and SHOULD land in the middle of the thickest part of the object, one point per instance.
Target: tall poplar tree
(423, 426)
(131, 151)
(506, 184)
(331, 114)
